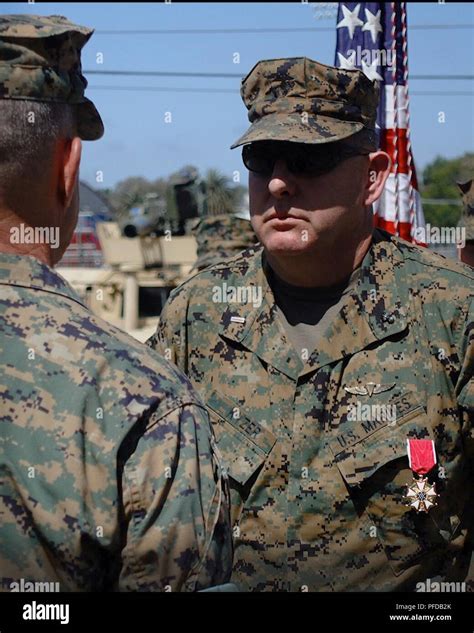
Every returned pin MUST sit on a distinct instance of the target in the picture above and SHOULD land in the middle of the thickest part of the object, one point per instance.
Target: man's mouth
(282, 217)
(282, 222)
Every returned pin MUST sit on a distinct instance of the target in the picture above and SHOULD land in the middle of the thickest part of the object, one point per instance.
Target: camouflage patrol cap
(40, 60)
(303, 101)
(467, 216)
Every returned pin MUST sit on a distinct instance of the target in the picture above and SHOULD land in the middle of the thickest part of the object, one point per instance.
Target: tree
(130, 192)
(439, 181)
(221, 196)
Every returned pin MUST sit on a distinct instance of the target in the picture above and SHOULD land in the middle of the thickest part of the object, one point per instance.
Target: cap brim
(89, 123)
(312, 129)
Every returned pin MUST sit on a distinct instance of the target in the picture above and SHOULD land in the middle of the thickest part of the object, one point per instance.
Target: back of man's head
(29, 134)
(43, 117)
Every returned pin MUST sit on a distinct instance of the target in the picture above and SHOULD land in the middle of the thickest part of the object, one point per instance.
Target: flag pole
(395, 112)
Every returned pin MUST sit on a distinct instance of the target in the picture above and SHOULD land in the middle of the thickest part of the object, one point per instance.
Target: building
(85, 250)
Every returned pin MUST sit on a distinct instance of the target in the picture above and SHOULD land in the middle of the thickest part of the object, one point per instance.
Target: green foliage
(222, 197)
(131, 191)
(439, 182)
(219, 193)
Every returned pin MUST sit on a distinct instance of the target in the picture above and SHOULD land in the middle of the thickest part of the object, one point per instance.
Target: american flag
(372, 36)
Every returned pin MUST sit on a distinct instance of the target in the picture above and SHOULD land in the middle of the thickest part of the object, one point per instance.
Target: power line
(165, 89)
(159, 73)
(454, 77)
(162, 73)
(442, 201)
(235, 91)
(423, 93)
(258, 30)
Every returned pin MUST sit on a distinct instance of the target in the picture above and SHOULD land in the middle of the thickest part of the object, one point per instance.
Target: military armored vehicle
(151, 248)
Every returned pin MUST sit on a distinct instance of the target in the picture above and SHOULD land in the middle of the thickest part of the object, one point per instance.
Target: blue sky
(138, 141)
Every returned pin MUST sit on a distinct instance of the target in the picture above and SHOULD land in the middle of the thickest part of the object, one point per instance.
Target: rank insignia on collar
(370, 389)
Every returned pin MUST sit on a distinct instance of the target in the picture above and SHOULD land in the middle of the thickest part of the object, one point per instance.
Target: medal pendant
(421, 495)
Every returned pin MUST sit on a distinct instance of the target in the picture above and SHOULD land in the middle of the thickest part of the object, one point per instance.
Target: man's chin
(287, 245)
(287, 250)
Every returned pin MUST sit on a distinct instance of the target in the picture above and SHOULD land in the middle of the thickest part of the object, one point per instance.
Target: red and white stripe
(399, 209)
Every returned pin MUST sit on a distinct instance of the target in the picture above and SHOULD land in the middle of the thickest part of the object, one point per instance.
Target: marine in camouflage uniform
(466, 222)
(109, 478)
(318, 493)
(220, 237)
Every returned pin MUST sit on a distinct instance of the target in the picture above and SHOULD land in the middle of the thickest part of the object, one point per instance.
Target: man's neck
(8, 221)
(319, 269)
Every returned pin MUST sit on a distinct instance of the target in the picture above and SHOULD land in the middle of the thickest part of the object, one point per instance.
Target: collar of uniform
(260, 330)
(374, 310)
(382, 292)
(29, 272)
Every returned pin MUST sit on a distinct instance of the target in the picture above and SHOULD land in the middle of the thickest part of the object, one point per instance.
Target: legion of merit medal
(421, 494)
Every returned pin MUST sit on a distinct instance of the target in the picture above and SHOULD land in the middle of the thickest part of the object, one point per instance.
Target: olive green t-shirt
(305, 312)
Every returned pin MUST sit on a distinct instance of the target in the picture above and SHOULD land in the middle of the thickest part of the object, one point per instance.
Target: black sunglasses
(300, 158)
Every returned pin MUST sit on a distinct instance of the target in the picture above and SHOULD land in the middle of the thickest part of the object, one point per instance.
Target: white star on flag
(350, 20)
(372, 24)
(377, 32)
(347, 62)
(371, 70)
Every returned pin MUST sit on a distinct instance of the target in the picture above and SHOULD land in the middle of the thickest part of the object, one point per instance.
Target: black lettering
(369, 426)
(352, 436)
(342, 441)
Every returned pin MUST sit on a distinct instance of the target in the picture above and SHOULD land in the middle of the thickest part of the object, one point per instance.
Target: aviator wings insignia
(369, 389)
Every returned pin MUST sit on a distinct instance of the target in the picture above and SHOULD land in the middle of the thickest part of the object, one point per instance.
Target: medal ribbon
(422, 455)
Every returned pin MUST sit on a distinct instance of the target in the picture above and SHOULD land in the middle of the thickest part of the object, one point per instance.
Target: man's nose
(282, 182)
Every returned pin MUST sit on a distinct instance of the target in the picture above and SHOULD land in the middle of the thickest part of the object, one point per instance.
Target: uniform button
(388, 318)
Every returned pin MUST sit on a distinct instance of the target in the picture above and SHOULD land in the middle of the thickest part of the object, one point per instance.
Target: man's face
(297, 213)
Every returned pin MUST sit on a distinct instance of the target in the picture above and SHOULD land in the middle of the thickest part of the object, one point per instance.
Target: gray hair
(29, 131)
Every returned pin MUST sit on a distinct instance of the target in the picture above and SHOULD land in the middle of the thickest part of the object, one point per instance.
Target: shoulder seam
(233, 263)
(449, 268)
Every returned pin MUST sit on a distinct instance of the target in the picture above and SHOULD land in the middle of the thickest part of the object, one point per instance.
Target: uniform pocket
(376, 471)
(244, 446)
(243, 443)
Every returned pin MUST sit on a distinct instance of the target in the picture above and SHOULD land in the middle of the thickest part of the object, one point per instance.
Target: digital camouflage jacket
(316, 444)
(108, 476)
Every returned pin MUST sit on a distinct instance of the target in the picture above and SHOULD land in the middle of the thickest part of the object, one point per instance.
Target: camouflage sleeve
(170, 336)
(464, 333)
(176, 507)
(464, 330)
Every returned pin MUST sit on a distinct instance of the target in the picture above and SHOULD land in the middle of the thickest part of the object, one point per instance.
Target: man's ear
(378, 172)
(70, 169)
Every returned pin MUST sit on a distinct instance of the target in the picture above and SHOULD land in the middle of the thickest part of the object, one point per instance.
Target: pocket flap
(361, 460)
(243, 443)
